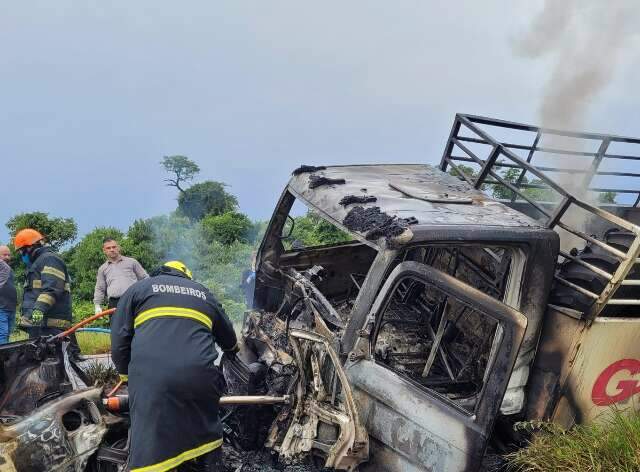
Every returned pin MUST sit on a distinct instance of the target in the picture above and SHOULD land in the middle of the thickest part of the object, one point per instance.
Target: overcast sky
(93, 94)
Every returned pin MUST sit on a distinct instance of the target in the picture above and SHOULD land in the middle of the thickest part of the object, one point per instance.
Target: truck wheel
(572, 271)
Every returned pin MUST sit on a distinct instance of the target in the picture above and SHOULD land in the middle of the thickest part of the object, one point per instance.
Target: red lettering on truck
(625, 388)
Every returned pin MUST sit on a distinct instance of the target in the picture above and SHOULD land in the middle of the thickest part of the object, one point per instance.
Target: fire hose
(120, 403)
(84, 322)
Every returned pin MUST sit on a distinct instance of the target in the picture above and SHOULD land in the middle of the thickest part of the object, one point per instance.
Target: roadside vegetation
(612, 444)
(207, 231)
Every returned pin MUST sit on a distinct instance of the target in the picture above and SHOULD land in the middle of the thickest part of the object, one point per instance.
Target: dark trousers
(113, 302)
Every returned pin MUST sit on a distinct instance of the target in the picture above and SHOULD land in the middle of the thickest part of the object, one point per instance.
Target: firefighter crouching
(162, 341)
(46, 301)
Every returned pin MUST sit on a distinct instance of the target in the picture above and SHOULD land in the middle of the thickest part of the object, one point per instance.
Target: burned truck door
(430, 370)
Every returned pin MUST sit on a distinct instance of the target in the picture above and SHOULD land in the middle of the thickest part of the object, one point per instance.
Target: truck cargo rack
(497, 157)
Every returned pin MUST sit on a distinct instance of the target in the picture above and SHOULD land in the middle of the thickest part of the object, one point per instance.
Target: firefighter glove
(98, 309)
(36, 317)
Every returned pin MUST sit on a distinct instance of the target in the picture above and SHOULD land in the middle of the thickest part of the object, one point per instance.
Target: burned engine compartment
(51, 418)
(293, 351)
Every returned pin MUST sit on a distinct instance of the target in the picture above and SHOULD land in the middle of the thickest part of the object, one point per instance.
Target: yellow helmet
(179, 266)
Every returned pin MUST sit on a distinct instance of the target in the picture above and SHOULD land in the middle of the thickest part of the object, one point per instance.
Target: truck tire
(572, 271)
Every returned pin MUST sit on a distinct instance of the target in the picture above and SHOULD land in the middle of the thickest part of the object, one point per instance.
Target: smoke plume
(588, 39)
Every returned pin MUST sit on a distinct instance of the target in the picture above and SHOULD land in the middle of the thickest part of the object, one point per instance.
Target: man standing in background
(115, 276)
(8, 296)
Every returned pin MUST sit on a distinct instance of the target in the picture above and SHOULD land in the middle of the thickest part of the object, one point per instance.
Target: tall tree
(183, 168)
(57, 231)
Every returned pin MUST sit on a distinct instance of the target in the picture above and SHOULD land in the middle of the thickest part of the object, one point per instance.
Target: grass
(90, 343)
(102, 375)
(612, 444)
(94, 343)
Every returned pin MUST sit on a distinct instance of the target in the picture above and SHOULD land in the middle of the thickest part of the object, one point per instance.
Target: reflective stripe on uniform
(180, 458)
(172, 311)
(57, 323)
(55, 272)
(36, 283)
(46, 299)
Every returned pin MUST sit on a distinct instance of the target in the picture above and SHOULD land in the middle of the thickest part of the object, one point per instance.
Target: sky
(94, 94)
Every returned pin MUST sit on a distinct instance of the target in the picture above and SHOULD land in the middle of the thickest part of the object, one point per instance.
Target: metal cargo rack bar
(552, 205)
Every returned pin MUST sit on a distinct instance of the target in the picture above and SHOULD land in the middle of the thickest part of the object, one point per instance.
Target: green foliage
(607, 197)
(206, 232)
(182, 167)
(610, 444)
(94, 343)
(220, 268)
(466, 170)
(206, 198)
(57, 231)
(512, 175)
(227, 228)
(86, 258)
(140, 244)
(312, 230)
(509, 175)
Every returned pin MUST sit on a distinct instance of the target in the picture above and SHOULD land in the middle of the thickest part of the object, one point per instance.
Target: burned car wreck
(50, 416)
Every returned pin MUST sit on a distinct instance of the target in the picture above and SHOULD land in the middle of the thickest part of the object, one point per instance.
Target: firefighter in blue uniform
(162, 340)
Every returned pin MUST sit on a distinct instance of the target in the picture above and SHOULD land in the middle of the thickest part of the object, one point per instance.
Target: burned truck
(500, 287)
(452, 302)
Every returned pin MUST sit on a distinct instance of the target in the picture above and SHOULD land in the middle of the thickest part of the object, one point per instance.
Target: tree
(510, 175)
(312, 230)
(466, 170)
(607, 197)
(57, 231)
(206, 198)
(85, 259)
(183, 168)
(140, 244)
(227, 228)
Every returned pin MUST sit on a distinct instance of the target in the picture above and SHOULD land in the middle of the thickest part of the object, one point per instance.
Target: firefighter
(162, 341)
(46, 301)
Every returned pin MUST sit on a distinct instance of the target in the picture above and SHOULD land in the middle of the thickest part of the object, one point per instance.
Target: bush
(83, 309)
(226, 228)
(608, 445)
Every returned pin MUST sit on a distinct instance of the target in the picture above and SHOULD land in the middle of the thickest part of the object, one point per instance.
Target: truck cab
(432, 299)
(451, 296)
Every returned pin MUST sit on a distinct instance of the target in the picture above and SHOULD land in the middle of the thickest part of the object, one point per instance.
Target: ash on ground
(262, 461)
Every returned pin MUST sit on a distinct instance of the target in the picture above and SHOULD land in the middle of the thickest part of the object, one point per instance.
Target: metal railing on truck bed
(552, 176)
